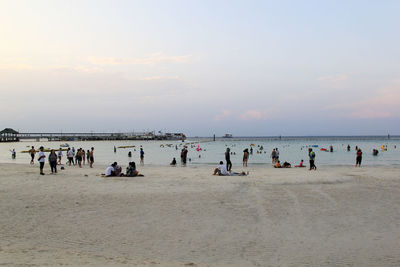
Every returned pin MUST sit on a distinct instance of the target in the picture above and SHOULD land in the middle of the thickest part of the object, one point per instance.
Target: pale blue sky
(202, 67)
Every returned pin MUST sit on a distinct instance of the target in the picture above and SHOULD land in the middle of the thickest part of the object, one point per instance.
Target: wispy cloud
(333, 79)
(253, 115)
(16, 66)
(223, 115)
(153, 59)
(160, 78)
(384, 104)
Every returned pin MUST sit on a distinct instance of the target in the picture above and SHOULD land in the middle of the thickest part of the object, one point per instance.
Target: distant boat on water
(227, 136)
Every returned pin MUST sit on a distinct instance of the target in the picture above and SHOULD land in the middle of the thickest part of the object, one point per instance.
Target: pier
(10, 135)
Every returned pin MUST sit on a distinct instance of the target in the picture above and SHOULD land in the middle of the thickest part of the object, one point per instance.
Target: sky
(249, 68)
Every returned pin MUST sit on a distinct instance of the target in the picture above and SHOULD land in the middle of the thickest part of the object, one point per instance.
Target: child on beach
(278, 164)
(13, 154)
(173, 163)
(300, 165)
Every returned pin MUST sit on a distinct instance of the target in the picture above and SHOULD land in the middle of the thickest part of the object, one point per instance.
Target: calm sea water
(291, 149)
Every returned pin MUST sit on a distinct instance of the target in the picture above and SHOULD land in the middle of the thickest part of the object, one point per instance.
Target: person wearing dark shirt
(358, 157)
(228, 159)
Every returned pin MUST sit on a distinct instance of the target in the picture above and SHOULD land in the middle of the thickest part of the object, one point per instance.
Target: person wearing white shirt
(110, 171)
(221, 170)
(41, 159)
(70, 156)
(60, 155)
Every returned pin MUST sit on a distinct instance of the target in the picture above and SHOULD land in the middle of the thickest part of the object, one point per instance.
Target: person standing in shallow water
(273, 155)
(184, 155)
(358, 157)
(228, 159)
(245, 157)
(311, 155)
(91, 157)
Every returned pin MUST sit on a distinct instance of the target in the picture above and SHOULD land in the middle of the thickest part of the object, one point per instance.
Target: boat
(125, 146)
(46, 150)
(227, 136)
(64, 145)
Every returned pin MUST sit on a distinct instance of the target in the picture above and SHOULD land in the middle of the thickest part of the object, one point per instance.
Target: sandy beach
(336, 216)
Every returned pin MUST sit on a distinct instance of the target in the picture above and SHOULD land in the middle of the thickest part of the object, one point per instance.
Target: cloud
(15, 66)
(153, 59)
(223, 115)
(384, 104)
(158, 78)
(334, 79)
(252, 115)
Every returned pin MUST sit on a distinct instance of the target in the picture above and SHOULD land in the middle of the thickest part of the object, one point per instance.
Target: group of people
(116, 170)
(78, 157)
(55, 158)
(275, 155)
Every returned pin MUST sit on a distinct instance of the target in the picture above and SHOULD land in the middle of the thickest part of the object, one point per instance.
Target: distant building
(9, 135)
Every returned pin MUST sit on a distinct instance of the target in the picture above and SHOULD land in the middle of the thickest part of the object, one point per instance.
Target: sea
(208, 151)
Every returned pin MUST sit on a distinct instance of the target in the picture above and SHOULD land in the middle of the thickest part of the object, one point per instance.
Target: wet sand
(339, 216)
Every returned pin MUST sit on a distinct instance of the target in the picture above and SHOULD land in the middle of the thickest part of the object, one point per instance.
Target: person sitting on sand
(118, 170)
(286, 165)
(221, 169)
(110, 171)
(131, 170)
(278, 164)
(300, 165)
(173, 162)
(238, 173)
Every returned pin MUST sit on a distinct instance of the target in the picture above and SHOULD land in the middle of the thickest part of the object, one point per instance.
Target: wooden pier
(87, 136)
